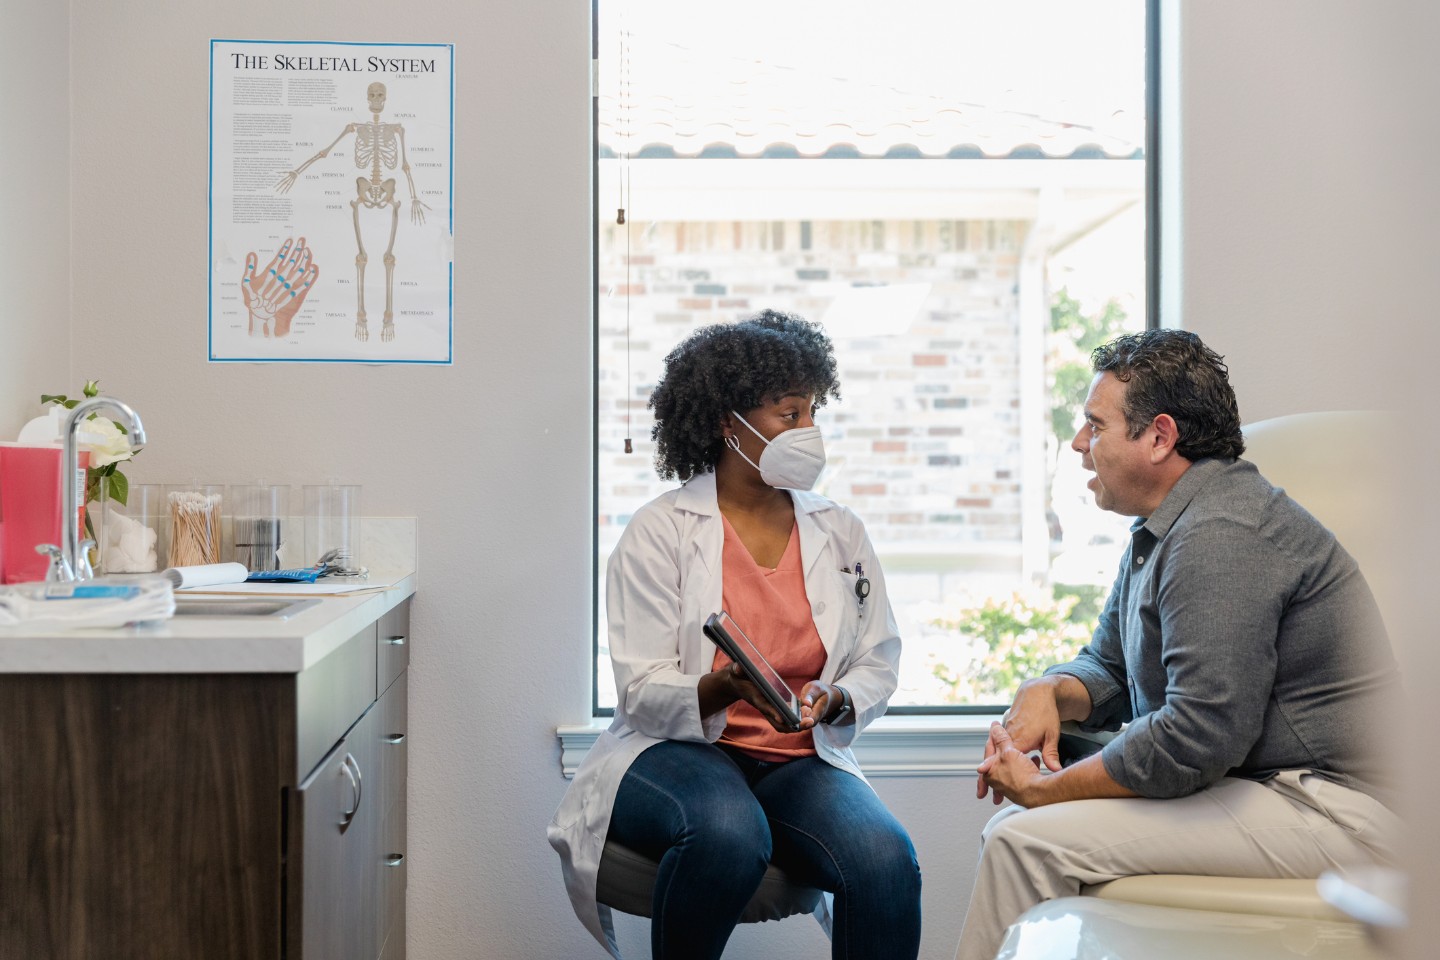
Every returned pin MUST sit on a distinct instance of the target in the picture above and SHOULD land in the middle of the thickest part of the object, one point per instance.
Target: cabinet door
(340, 821)
(392, 746)
(141, 816)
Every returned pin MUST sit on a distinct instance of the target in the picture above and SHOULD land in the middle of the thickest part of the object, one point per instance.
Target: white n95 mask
(792, 461)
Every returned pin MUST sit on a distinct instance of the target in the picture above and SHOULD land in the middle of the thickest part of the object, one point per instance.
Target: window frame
(581, 735)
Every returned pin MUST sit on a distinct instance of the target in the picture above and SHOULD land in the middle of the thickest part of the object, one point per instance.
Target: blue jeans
(714, 818)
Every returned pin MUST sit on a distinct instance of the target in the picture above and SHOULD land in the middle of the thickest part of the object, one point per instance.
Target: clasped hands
(1009, 770)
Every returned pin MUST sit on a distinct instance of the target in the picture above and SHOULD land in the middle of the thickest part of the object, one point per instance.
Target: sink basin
(268, 608)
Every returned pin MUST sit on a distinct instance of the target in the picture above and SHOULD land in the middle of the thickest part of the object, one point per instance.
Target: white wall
(35, 224)
(493, 453)
(1309, 256)
(1295, 116)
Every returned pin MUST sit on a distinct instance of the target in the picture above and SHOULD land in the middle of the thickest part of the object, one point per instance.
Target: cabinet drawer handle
(394, 859)
(398, 641)
(394, 738)
(356, 786)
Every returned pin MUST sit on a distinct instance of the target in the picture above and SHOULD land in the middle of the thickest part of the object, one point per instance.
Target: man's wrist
(840, 713)
(1038, 792)
(1072, 697)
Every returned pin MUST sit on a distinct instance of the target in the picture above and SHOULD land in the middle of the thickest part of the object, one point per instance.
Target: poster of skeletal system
(331, 202)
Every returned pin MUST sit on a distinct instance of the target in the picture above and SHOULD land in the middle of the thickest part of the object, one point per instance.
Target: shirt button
(819, 608)
(1140, 560)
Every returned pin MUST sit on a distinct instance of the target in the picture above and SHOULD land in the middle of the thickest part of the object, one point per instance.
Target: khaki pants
(1295, 825)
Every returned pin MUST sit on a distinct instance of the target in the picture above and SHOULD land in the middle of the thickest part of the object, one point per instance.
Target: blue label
(97, 591)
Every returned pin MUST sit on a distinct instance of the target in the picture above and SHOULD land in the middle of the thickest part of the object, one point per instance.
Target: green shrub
(1021, 636)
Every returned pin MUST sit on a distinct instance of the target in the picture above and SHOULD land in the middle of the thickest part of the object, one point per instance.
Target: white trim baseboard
(908, 746)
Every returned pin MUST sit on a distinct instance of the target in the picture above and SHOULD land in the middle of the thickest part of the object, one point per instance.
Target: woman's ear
(727, 426)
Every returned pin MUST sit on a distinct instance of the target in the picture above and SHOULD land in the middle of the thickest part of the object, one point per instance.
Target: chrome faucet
(71, 560)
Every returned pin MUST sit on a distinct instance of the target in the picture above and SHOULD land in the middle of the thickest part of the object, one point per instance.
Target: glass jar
(194, 528)
(259, 524)
(129, 535)
(332, 526)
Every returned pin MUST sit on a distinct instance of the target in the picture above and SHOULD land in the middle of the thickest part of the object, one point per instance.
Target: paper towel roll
(206, 575)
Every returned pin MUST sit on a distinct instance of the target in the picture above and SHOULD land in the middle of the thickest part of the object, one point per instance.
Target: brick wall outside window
(924, 444)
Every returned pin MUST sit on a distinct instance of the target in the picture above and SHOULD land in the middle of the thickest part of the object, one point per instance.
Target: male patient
(1241, 645)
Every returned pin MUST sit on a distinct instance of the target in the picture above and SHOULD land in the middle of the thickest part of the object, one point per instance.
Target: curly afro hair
(733, 366)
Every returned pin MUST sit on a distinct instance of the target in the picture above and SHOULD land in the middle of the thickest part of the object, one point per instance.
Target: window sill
(907, 746)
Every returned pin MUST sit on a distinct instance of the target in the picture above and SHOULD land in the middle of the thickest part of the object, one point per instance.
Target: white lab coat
(663, 580)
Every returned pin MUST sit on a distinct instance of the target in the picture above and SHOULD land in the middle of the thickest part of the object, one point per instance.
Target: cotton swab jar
(194, 522)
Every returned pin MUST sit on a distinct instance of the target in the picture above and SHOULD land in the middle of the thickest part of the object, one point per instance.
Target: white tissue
(47, 429)
(27, 604)
(129, 545)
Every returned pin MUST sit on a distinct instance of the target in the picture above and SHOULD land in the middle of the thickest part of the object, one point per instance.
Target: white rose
(104, 441)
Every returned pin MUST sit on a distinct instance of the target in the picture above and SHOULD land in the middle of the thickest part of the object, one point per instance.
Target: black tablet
(726, 634)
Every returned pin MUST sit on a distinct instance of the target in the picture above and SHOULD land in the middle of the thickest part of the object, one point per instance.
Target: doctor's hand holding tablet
(755, 681)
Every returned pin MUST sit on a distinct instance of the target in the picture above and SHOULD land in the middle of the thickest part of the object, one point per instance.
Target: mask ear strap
(733, 443)
(752, 429)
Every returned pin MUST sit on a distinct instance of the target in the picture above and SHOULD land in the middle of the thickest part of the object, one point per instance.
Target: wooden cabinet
(208, 815)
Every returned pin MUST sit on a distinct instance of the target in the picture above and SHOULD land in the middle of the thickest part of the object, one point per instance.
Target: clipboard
(726, 634)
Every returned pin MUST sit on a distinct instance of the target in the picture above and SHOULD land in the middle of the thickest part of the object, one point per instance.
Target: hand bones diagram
(380, 147)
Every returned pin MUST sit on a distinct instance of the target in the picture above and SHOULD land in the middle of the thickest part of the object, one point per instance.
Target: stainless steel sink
(268, 608)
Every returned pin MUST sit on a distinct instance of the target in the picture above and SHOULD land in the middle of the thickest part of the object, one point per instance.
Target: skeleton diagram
(379, 146)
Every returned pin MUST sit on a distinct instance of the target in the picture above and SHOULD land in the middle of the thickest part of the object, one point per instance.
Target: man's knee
(1017, 835)
(1000, 825)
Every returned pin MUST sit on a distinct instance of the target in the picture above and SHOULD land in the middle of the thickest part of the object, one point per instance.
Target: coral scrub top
(773, 610)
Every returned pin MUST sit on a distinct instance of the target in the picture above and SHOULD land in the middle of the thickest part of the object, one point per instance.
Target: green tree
(1073, 336)
(1022, 636)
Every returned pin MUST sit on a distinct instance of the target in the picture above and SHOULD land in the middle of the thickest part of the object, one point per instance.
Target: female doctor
(697, 770)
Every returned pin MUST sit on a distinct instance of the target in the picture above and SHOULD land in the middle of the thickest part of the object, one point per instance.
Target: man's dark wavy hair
(1172, 371)
(733, 366)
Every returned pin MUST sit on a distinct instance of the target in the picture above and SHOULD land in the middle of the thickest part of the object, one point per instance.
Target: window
(957, 189)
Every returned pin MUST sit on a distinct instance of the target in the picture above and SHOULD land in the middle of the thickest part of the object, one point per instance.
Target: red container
(30, 508)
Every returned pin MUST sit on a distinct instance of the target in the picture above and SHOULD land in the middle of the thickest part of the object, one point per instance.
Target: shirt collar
(1191, 481)
(698, 495)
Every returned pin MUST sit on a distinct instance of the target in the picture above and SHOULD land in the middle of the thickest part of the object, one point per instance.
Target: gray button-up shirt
(1240, 639)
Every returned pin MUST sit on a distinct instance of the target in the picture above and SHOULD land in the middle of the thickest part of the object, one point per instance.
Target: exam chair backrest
(1339, 465)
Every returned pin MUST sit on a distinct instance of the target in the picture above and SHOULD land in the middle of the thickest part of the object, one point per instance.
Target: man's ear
(1167, 434)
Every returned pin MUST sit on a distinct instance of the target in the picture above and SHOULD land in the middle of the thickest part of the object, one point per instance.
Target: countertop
(203, 644)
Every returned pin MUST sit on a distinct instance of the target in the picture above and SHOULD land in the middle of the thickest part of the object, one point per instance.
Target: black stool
(627, 880)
